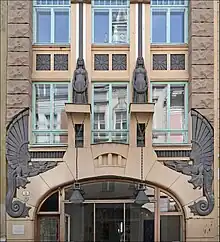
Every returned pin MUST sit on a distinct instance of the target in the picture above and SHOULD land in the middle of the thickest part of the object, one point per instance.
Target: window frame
(168, 9)
(168, 131)
(52, 9)
(110, 127)
(109, 9)
(50, 132)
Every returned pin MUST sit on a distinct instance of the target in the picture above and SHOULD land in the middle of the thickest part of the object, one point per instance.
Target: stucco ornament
(140, 82)
(80, 83)
(19, 164)
(200, 166)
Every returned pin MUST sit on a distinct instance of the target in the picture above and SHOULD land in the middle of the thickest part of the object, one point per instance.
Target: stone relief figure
(140, 82)
(80, 83)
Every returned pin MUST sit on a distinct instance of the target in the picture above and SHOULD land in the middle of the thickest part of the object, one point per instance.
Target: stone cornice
(131, 1)
(81, 1)
(140, 1)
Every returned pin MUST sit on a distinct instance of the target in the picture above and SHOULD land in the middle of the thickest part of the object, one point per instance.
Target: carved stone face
(80, 62)
(140, 61)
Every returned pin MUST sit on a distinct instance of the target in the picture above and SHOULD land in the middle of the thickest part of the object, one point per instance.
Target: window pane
(119, 104)
(49, 228)
(170, 228)
(168, 204)
(119, 26)
(101, 27)
(60, 98)
(160, 100)
(62, 27)
(177, 27)
(42, 107)
(158, 27)
(177, 107)
(43, 27)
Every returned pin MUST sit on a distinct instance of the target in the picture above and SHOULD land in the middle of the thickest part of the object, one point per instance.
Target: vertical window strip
(170, 6)
(108, 6)
(51, 131)
(109, 127)
(50, 6)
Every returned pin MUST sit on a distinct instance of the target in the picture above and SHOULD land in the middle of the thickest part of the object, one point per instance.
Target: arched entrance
(109, 214)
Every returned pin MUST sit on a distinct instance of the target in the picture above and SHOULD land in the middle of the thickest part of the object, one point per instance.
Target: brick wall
(201, 58)
(19, 56)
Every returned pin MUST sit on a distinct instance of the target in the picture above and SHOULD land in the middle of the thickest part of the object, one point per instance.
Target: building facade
(110, 120)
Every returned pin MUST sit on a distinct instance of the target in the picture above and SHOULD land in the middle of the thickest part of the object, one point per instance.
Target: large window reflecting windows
(169, 21)
(110, 113)
(51, 21)
(170, 117)
(49, 117)
(110, 21)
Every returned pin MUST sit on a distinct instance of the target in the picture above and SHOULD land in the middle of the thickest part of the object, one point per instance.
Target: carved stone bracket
(19, 164)
(200, 166)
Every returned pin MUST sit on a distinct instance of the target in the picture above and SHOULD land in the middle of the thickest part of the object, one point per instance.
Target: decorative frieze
(159, 61)
(60, 62)
(177, 62)
(43, 62)
(119, 62)
(101, 62)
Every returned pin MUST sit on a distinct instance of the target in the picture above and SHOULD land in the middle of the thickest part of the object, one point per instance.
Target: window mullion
(168, 25)
(52, 25)
(186, 112)
(110, 26)
(51, 111)
(34, 111)
(110, 112)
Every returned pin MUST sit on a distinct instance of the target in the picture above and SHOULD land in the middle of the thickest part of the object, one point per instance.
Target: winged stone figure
(200, 166)
(19, 163)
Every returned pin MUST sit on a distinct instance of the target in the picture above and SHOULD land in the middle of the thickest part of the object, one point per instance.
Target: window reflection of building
(50, 122)
(110, 113)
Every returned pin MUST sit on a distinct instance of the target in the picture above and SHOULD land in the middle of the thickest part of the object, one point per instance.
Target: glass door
(110, 222)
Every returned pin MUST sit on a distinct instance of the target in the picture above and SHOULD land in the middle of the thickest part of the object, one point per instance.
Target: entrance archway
(109, 214)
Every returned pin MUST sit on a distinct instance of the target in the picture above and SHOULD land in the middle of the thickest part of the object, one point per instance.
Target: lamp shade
(76, 197)
(141, 198)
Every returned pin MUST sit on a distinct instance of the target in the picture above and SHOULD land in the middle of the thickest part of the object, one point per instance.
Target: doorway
(109, 222)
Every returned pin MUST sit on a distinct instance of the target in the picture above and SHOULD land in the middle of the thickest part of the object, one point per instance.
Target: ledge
(51, 47)
(77, 108)
(109, 47)
(168, 47)
(141, 108)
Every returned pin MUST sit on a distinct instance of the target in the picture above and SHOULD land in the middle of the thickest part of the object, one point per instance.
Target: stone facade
(201, 60)
(19, 62)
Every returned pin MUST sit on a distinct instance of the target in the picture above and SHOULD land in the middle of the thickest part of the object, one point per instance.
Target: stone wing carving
(200, 166)
(19, 164)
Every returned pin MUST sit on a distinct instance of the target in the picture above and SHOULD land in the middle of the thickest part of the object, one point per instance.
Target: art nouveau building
(112, 114)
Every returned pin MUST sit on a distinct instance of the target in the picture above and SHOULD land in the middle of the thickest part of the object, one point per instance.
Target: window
(51, 21)
(170, 121)
(49, 117)
(110, 21)
(110, 113)
(169, 21)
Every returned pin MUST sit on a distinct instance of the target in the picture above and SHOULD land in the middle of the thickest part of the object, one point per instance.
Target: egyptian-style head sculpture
(80, 83)
(140, 82)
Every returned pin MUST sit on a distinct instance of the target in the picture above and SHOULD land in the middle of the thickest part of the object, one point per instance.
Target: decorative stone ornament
(200, 166)
(19, 164)
(80, 83)
(140, 82)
